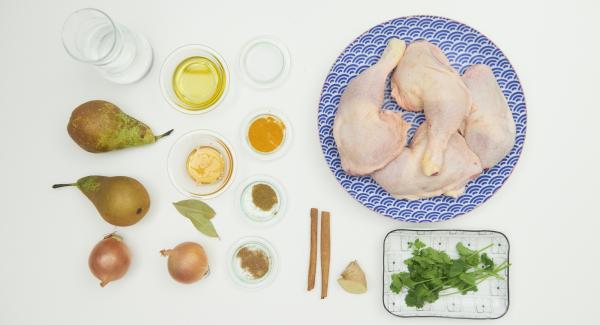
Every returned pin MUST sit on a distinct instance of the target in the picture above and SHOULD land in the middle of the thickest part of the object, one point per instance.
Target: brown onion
(187, 262)
(110, 259)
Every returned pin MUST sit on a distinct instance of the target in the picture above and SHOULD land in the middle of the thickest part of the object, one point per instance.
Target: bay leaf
(204, 226)
(194, 207)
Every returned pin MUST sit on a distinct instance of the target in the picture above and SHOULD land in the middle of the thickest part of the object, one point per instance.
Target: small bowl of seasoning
(201, 164)
(194, 79)
(267, 134)
(253, 262)
(262, 200)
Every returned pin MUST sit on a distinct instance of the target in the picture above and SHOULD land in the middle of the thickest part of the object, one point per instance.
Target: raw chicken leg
(425, 80)
(490, 128)
(403, 177)
(368, 137)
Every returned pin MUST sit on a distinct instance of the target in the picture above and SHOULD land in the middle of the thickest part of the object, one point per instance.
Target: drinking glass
(90, 36)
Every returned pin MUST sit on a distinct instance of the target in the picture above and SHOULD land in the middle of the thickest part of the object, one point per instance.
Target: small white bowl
(287, 136)
(178, 158)
(254, 214)
(171, 63)
(239, 275)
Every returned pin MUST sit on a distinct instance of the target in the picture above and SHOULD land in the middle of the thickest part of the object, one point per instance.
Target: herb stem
(481, 250)
(465, 290)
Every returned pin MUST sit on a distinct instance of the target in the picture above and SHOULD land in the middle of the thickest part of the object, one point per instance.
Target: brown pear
(120, 200)
(101, 126)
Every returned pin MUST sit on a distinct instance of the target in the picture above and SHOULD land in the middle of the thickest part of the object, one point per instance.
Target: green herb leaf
(199, 214)
(396, 285)
(417, 244)
(464, 251)
(456, 268)
(488, 263)
(467, 278)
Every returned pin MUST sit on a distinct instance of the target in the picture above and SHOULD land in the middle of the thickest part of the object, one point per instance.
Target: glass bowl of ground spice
(267, 134)
(253, 262)
(262, 200)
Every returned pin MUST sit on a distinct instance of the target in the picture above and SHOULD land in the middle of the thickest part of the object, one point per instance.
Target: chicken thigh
(366, 136)
(425, 81)
(490, 128)
(403, 178)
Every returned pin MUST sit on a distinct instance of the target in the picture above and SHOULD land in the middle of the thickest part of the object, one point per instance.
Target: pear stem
(63, 185)
(164, 134)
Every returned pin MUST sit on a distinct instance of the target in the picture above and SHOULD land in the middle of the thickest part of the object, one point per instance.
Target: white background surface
(546, 208)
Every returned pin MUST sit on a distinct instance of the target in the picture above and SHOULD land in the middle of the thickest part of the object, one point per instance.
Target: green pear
(120, 200)
(100, 126)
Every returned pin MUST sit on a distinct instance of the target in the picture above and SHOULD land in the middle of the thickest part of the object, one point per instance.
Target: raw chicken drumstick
(425, 81)
(368, 137)
(489, 129)
(403, 178)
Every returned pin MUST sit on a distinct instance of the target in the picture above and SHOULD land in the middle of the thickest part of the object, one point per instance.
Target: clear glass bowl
(254, 214)
(171, 63)
(265, 62)
(178, 158)
(239, 275)
(287, 136)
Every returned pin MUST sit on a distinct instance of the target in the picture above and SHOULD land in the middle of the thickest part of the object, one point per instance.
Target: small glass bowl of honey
(201, 164)
(267, 134)
(194, 79)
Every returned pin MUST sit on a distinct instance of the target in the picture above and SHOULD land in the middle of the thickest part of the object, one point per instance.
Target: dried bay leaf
(199, 214)
(204, 226)
(195, 207)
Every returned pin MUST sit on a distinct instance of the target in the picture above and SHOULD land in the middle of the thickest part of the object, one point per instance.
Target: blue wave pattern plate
(464, 46)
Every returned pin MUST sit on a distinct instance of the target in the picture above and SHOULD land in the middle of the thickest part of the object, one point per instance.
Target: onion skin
(110, 259)
(187, 262)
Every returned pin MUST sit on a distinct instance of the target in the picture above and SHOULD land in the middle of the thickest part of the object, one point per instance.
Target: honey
(205, 165)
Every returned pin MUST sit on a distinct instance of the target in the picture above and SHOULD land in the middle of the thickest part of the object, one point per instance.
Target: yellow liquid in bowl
(199, 82)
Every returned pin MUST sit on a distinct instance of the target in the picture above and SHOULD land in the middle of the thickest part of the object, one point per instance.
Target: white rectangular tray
(489, 302)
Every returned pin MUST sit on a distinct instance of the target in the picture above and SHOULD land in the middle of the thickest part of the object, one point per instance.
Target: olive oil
(199, 82)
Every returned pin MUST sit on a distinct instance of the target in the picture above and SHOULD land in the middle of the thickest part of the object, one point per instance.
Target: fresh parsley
(431, 272)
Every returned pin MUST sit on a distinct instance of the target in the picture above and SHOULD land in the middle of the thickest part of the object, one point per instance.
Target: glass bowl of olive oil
(194, 79)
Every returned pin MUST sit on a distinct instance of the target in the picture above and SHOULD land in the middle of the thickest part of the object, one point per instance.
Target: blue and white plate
(464, 46)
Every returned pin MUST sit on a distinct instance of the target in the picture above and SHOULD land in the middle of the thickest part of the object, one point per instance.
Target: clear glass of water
(91, 36)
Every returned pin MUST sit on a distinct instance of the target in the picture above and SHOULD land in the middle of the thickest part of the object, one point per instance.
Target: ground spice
(266, 133)
(254, 261)
(264, 197)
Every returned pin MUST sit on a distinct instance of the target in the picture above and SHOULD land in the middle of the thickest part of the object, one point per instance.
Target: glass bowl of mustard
(194, 79)
(201, 164)
(253, 262)
(267, 134)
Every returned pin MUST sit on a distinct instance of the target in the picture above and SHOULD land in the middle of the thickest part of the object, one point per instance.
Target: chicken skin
(425, 81)
(490, 128)
(367, 137)
(403, 178)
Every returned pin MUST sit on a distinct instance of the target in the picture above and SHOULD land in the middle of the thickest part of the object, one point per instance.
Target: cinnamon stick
(312, 264)
(325, 253)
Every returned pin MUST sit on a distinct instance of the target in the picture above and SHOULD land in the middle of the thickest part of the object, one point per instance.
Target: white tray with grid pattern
(489, 302)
